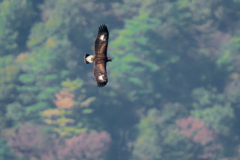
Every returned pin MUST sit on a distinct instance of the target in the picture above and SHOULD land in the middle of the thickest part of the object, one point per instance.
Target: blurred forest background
(173, 90)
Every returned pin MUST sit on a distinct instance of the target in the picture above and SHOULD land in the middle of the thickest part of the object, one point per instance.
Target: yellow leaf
(49, 121)
(72, 85)
(64, 121)
(22, 57)
(50, 112)
(237, 39)
(88, 102)
(50, 42)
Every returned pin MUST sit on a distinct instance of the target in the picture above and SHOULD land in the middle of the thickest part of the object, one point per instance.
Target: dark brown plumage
(100, 59)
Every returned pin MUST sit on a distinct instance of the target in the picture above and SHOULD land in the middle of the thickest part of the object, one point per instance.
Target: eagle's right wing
(100, 72)
(101, 42)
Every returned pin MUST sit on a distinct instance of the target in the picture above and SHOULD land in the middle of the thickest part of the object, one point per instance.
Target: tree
(85, 146)
(173, 90)
(164, 136)
(5, 151)
(28, 141)
(16, 19)
(65, 120)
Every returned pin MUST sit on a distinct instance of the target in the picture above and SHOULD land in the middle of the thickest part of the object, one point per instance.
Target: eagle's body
(100, 59)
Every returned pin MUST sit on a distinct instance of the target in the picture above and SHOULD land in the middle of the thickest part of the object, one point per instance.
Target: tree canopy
(173, 90)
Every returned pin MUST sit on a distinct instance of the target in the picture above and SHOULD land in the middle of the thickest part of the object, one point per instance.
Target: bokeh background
(173, 90)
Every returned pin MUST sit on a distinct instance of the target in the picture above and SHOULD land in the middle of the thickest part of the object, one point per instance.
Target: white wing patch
(101, 78)
(102, 38)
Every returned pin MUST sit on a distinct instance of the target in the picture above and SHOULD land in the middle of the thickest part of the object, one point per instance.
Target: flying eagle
(100, 59)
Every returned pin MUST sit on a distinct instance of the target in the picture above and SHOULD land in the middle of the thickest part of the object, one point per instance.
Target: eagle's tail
(88, 58)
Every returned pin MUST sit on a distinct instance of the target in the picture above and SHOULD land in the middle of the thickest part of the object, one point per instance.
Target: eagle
(100, 58)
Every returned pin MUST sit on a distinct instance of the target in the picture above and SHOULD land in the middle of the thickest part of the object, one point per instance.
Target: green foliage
(146, 144)
(15, 111)
(159, 138)
(8, 35)
(5, 151)
(73, 85)
(16, 17)
(137, 62)
(64, 119)
(8, 74)
(213, 108)
(229, 56)
(176, 60)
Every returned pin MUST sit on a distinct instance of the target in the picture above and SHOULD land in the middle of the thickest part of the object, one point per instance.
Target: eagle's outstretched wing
(100, 72)
(101, 42)
(100, 60)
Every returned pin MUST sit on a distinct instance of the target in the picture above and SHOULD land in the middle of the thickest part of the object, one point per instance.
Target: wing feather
(101, 42)
(100, 72)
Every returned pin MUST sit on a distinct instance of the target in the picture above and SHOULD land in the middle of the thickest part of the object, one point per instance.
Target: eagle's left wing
(101, 42)
(100, 72)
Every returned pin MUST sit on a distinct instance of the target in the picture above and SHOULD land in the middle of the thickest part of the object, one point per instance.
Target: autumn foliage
(64, 99)
(195, 129)
(174, 82)
(199, 133)
(85, 146)
(28, 142)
